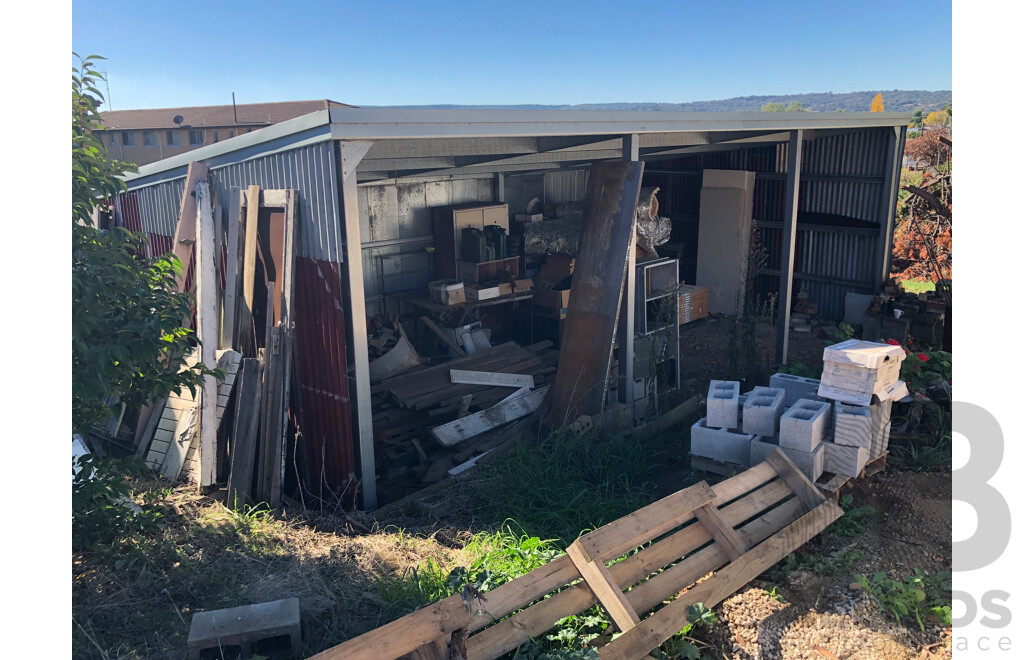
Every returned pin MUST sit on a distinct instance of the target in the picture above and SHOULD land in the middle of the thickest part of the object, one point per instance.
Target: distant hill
(896, 100)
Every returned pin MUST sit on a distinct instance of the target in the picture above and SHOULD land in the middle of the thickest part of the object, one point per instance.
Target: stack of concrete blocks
(718, 436)
(795, 387)
(852, 442)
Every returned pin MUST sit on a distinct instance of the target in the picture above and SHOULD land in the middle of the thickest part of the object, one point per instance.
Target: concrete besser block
(762, 410)
(805, 425)
(796, 387)
(811, 463)
(853, 425)
(269, 629)
(720, 444)
(845, 460)
(881, 443)
(723, 404)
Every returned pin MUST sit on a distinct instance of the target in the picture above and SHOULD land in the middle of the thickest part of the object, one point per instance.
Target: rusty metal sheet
(608, 218)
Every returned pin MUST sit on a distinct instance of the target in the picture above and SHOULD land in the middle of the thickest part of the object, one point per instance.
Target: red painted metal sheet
(324, 414)
(160, 244)
(131, 216)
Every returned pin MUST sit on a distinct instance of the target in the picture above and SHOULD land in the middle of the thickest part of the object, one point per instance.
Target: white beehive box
(861, 366)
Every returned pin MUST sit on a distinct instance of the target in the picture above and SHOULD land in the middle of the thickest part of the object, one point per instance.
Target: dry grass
(136, 600)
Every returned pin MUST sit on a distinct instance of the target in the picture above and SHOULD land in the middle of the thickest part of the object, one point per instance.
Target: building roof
(450, 142)
(249, 114)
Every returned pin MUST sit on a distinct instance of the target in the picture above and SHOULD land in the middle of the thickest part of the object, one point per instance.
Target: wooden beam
(720, 530)
(795, 479)
(206, 319)
(243, 436)
(605, 590)
(497, 379)
(185, 232)
(427, 321)
(456, 431)
(252, 222)
(232, 266)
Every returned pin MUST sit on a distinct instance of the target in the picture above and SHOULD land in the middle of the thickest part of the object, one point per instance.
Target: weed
(845, 332)
(683, 644)
(800, 369)
(102, 511)
(915, 595)
(774, 593)
(565, 483)
(821, 592)
(834, 563)
(850, 524)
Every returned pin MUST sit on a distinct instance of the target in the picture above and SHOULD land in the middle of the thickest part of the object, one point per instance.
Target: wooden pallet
(831, 484)
(735, 530)
(711, 466)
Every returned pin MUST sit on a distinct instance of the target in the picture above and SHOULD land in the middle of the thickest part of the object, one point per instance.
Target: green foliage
(102, 511)
(795, 106)
(774, 593)
(935, 453)
(127, 343)
(921, 367)
(850, 524)
(565, 483)
(800, 369)
(846, 332)
(916, 595)
(500, 558)
(834, 563)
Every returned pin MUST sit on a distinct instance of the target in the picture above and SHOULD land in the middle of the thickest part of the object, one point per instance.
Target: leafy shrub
(915, 595)
(102, 511)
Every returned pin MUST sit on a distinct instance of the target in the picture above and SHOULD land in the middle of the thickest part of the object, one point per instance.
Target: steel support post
(351, 153)
(796, 145)
(627, 321)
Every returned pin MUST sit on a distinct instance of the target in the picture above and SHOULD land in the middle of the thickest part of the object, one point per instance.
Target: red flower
(923, 357)
(892, 342)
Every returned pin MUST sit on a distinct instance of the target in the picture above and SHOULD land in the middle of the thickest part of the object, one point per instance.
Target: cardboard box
(551, 298)
(522, 285)
(893, 392)
(556, 268)
(447, 292)
(487, 293)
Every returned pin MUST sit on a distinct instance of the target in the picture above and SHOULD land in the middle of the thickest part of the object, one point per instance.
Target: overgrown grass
(565, 484)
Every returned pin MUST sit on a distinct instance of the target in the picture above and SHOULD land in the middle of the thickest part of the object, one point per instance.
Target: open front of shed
(398, 297)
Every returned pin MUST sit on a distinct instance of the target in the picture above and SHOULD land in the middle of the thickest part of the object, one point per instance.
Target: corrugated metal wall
(323, 411)
(397, 229)
(310, 169)
(842, 175)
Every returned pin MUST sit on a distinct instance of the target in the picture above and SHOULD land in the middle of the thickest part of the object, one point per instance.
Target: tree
(779, 107)
(878, 103)
(127, 343)
(918, 119)
(937, 118)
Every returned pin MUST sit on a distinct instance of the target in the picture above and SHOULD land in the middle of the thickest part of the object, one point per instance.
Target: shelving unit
(656, 343)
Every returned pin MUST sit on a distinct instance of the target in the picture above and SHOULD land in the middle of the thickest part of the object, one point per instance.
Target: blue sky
(404, 53)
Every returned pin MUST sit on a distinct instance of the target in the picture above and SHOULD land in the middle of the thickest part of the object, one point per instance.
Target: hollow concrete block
(805, 425)
(723, 404)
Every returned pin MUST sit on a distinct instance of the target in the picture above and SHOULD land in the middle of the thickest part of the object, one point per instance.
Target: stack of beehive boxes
(837, 424)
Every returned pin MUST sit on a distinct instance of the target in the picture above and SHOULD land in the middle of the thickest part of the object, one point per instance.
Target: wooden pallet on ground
(734, 531)
(831, 484)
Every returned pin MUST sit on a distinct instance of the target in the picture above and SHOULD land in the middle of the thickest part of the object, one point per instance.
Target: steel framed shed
(368, 177)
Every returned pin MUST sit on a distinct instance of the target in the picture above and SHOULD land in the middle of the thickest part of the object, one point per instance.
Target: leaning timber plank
(609, 211)
(185, 232)
(520, 627)
(668, 621)
(453, 433)
(230, 307)
(796, 479)
(185, 431)
(604, 588)
(252, 222)
(206, 319)
(440, 333)
(227, 361)
(146, 439)
(722, 532)
(243, 450)
(490, 378)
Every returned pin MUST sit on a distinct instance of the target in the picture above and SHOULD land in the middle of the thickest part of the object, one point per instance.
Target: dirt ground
(820, 615)
(704, 349)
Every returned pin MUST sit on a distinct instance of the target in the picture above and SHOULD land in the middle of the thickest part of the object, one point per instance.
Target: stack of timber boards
(173, 450)
(751, 521)
(408, 407)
